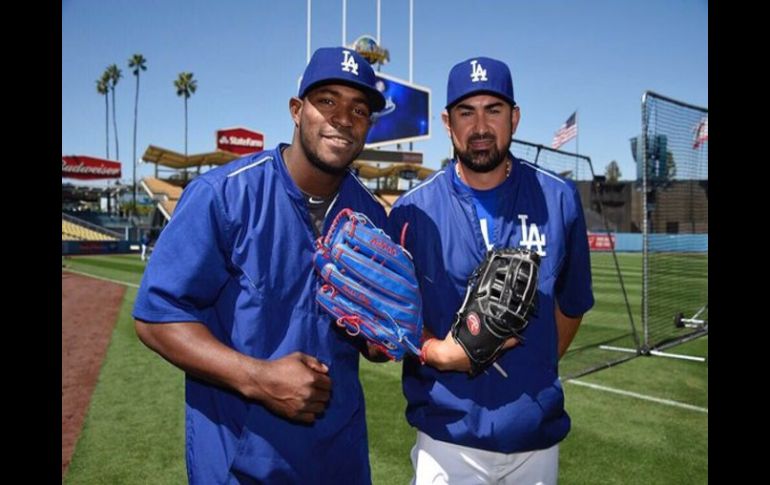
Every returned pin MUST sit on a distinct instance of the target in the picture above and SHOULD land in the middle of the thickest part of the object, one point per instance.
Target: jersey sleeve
(188, 267)
(573, 286)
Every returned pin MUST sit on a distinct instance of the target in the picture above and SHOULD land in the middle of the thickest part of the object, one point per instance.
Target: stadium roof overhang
(403, 170)
(172, 159)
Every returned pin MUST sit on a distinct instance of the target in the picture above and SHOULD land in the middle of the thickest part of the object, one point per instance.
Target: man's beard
(482, 161)
(316, 161)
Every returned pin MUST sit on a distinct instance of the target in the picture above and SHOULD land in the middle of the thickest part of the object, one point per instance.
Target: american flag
(567, 132)
(701, 132)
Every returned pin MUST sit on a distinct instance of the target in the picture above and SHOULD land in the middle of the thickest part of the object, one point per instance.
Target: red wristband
(424, 350)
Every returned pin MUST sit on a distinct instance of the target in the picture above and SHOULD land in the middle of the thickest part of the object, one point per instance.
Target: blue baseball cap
(479, 75)
(344, 66)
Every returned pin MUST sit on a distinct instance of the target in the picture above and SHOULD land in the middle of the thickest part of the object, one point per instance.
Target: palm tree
(186, 86)
(136, 63)
(103, 87)
(114, 75)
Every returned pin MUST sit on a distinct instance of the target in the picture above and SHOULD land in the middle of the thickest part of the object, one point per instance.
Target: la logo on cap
(349, 64)
(477, 72)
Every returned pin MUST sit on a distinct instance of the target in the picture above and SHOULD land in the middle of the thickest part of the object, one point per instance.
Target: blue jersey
(539, 211)
(486, 203)
(237, 257)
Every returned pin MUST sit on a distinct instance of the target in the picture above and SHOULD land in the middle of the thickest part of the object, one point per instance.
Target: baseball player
(145, 245)
(272, 389)
(503, 425)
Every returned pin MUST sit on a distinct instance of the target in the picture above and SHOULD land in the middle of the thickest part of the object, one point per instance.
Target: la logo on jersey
(530, 236)
(478, 73)
(349, 64)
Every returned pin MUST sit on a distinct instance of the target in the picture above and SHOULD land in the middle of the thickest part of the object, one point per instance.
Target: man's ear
(515, 117)
(295, 109)
(445, 120)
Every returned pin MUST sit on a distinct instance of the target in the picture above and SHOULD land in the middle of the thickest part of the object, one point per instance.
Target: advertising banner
(240, 140)
(601, 242)
(88, 168)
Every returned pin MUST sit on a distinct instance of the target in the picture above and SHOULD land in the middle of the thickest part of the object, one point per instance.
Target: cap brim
(480, 91)
(376, 99)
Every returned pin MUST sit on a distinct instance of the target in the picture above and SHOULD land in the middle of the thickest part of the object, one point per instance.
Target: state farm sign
(240, 140)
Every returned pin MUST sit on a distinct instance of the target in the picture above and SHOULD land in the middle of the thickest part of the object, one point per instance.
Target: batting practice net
(610, 323)
(673, 175)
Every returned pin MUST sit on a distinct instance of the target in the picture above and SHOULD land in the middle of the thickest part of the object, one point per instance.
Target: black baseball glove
(498, 304)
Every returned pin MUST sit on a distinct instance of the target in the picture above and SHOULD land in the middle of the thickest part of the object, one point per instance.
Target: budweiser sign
(240, 140)
(83, 167)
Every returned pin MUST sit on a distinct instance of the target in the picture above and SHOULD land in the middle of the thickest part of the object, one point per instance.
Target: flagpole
(344, 21)
(309, 14)
(577, 145)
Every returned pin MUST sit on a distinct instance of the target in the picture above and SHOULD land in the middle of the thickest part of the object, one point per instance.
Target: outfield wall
(98, 247)
(678, 243)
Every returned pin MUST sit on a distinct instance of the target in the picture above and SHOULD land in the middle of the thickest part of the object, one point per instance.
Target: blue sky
(594, 56)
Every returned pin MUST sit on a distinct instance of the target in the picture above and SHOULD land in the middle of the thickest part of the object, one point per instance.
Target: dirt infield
(89, 311)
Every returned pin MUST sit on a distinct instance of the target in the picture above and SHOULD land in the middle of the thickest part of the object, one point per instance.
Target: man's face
(333, 122)
(481, 128)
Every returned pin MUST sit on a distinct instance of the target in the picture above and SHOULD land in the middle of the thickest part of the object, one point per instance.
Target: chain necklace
(508, 166)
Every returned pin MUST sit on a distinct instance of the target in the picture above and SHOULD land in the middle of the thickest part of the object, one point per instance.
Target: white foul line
(658, 400)
(70, 270)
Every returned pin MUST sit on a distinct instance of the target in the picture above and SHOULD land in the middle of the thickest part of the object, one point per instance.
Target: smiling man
(272, 389)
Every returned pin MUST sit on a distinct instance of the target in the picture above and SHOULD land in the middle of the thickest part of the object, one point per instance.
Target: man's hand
(296, 386)
(499, 301)
(448, 355)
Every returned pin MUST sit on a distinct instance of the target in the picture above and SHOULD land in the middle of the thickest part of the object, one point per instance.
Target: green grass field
(644, 421)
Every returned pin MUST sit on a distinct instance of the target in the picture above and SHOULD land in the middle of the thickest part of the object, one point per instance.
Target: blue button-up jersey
(537, 210)
(237, 257)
